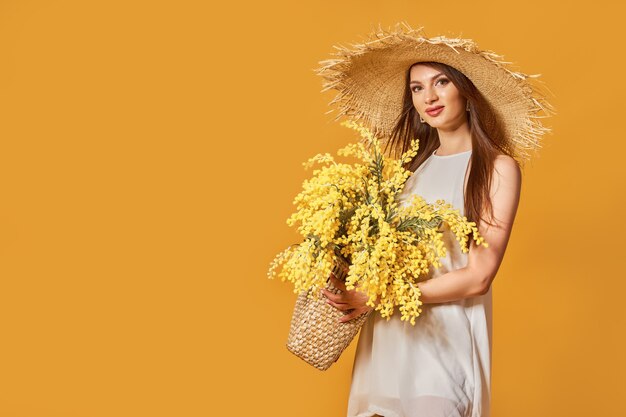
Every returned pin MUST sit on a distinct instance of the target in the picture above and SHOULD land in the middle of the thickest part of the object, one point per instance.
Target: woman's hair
(486, 143)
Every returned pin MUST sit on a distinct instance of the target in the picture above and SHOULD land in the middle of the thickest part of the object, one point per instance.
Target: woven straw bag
(315, 335)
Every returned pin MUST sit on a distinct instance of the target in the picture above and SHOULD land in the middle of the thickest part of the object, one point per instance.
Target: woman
(470, 134)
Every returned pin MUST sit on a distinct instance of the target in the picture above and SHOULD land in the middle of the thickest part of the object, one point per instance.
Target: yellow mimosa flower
(354, 211)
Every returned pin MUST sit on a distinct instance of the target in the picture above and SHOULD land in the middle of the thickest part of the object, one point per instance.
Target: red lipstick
(434, 111)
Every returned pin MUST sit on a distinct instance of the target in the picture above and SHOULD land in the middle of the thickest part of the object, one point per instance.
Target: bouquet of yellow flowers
(355, 225)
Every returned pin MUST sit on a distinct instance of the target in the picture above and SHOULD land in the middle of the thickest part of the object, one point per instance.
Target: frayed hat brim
(370, 76)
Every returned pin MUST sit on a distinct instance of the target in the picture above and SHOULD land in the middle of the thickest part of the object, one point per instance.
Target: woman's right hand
(353, 302)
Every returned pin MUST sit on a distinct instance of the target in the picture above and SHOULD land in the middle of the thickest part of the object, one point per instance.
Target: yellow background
(149, 155)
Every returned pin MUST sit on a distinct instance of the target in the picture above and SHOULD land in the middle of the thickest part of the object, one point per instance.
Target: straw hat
(370, 79)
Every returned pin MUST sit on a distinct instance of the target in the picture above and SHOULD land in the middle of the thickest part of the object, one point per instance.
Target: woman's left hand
(347, 300)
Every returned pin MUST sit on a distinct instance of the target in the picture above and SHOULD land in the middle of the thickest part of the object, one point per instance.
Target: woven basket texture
(315, 336)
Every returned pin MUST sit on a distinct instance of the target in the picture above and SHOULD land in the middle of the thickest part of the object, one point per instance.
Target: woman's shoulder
(507, 168)
(505, 160)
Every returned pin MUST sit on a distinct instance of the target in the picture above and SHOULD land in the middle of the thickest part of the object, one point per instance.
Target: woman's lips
(435, 112)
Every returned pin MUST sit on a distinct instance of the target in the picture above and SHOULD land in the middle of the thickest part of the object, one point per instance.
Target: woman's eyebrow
(432, 78)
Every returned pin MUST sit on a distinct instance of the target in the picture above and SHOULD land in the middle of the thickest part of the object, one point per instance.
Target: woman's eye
(445, 81)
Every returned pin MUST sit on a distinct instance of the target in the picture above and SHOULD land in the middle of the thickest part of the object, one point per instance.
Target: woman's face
(431, 88)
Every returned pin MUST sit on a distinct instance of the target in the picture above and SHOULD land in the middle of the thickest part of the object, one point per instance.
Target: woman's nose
(430, 96)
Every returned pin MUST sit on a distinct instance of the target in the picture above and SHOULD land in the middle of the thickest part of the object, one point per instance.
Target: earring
(422, 119)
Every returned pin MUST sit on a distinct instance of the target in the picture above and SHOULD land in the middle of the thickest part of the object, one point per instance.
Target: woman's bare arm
(483, 263)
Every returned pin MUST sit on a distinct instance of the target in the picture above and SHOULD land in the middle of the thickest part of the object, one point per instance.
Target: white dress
(441, 367)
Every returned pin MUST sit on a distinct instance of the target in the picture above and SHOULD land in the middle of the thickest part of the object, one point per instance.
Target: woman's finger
(355, 313)
(339, 306)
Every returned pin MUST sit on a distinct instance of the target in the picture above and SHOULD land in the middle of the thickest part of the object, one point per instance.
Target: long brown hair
(486, 143)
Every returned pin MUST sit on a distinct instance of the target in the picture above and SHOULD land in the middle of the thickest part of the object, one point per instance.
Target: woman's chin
(436, 124)
(444, 124)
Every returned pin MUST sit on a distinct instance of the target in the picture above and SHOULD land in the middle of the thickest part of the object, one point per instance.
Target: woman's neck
(456, 141)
